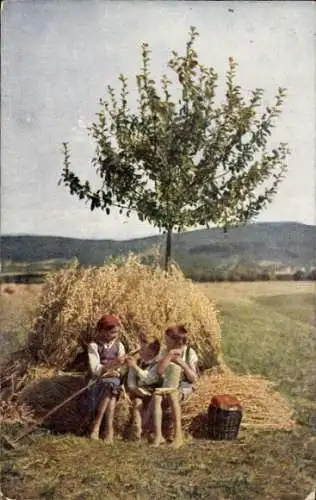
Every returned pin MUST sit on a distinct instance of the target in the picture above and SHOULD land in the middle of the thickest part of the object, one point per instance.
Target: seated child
(142, 379)
(178, 362)
(106, 359)
(178, 367)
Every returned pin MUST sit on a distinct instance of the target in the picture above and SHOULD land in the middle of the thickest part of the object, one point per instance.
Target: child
(178, 352)
(142, 379)
(106, 357)
(178, 367)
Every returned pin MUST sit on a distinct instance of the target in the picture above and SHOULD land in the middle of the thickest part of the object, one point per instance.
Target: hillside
(285, 244)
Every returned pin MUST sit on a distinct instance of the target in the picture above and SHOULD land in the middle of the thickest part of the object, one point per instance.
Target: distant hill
(282, 243)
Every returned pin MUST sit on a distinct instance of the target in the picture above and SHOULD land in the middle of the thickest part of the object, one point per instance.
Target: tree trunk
(168, 249)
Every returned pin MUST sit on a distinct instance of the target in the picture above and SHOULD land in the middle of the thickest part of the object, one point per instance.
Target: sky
(59, 56)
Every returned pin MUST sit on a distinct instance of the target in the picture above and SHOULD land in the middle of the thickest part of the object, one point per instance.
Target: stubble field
(267, 329)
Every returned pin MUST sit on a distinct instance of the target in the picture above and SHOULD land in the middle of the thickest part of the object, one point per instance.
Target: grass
(267, 329)
(268, 332)
(17, 304)
(201, 470)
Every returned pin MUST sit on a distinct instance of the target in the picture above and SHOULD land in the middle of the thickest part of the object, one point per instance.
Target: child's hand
(177, 360)
(131, 363)
(121, 360)
(174, 355)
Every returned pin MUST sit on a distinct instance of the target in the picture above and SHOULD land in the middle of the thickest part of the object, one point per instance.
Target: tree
(186, 162)
(299, 275)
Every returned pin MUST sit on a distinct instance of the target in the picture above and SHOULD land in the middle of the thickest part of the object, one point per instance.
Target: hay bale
(145, 298)
(263, 407)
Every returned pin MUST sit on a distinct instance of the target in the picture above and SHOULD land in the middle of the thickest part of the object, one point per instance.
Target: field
(267, 328)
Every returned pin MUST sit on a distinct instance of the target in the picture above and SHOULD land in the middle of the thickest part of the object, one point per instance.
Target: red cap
(107, 321)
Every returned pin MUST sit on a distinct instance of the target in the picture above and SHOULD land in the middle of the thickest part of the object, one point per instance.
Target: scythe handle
(53, 410)
(67, 400)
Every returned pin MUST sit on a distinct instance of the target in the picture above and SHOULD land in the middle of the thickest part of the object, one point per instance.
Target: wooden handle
(67, 400)
(53, 410)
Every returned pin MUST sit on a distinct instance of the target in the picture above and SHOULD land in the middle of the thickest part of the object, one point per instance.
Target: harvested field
(261, 336)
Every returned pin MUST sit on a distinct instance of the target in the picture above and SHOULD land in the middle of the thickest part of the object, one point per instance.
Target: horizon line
(154, 235)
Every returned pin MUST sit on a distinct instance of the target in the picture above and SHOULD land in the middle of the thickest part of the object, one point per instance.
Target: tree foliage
(185, 162)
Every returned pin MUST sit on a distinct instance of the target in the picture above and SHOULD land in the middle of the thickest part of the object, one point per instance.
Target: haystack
(145, 298)
(263, 407)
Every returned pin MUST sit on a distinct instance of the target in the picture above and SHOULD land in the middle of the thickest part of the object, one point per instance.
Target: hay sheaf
(145, 298)
(263, 407)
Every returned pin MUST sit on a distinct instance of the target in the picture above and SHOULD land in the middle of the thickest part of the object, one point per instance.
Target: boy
(142, 379)
(106, 358)
(178, 361)
(178, 365)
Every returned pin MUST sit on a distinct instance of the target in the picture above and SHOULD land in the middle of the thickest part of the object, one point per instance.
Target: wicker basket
(224, 417)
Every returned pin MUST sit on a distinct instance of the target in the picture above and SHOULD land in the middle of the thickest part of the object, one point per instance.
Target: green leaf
(183, 161)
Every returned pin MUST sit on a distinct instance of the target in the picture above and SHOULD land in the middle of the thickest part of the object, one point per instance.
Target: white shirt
(190, 358)
(94, 358)
(143, 377)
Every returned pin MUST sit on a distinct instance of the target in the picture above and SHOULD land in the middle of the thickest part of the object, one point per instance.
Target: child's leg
(157, 414)
(137, 417)
(172, 376)
(109, 416)
(147, 414)
(172, 379)
(176, 417)
(99, 416)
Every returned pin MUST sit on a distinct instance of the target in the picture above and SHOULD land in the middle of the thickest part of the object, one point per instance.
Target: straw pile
(263, 407)
(43, 395)
(145, 298)
(12, 412)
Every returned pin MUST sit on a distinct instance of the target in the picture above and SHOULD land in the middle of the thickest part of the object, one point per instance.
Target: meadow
(267, 329)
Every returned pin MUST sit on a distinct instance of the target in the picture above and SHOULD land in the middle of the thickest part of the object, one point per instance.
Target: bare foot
(94, 435)
(137, 434)
(157, 442)
(108, 440)
(176, 443)
(135, 437)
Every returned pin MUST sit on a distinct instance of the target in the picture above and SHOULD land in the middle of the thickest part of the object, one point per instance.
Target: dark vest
(108, 353)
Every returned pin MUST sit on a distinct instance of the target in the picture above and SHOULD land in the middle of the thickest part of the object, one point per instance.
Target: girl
(106, 358)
